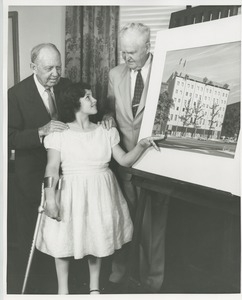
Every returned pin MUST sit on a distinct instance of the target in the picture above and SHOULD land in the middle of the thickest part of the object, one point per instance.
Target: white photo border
(210, 171)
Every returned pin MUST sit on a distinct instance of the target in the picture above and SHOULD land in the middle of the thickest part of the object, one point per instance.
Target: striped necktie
(139, 86)
(52, 105)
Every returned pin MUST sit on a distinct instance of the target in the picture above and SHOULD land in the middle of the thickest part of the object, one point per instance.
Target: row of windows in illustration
(199, 122)
(207, 89)
(200, 96)
(205, 113)
(202, 105)
(215, 101)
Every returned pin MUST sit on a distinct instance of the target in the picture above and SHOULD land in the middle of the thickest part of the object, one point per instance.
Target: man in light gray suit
(127, 91)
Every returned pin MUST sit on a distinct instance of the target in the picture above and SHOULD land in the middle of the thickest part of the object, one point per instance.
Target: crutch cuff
(48, 182)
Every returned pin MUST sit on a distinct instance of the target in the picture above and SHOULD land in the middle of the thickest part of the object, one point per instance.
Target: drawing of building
(199, 105)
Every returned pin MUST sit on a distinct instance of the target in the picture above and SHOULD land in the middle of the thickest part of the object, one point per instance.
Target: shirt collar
(145, 66)
(40, 87)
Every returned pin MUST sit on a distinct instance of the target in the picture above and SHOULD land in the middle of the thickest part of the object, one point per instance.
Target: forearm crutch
(48, 182)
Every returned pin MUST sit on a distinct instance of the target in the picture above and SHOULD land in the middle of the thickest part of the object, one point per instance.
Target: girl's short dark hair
(70, 99)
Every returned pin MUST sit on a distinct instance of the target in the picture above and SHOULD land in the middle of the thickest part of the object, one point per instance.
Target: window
(156, 17)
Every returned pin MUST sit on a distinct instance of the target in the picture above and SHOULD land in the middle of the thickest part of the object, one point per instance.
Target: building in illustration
(199, 105)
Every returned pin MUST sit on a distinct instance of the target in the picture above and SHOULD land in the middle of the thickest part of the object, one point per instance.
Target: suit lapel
(124, 90)
(35, 102)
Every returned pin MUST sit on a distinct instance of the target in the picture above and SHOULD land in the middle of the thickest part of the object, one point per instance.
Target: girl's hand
(150, 141)
(52, 210)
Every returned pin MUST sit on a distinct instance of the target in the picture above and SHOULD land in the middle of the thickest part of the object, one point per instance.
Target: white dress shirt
(43, 93)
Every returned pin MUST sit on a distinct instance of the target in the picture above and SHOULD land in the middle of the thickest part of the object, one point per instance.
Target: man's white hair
(144, 30)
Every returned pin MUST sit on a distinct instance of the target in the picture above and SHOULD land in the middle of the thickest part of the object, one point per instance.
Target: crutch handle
(40, 209)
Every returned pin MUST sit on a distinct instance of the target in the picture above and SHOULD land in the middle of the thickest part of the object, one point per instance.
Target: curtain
(91, 46)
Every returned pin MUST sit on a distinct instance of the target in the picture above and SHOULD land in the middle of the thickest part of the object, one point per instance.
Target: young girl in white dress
(92, 218)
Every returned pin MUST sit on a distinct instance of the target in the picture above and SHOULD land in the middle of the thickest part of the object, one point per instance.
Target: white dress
(95, 216)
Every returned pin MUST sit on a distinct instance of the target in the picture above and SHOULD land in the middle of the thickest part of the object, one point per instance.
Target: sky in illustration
(219, 63)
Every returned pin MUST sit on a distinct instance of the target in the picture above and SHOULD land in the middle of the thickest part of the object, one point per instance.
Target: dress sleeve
(53, 141)
(114, 137)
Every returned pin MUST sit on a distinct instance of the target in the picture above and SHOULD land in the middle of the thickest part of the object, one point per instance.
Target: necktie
(139, 86)
(52, 105)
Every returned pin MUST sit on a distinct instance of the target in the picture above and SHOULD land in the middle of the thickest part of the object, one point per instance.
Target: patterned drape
(91, 46)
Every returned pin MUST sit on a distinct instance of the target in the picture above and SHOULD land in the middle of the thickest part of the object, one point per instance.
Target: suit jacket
(26, 113)
(119, 102)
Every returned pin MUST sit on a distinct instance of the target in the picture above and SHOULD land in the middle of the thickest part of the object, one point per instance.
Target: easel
(174, 189)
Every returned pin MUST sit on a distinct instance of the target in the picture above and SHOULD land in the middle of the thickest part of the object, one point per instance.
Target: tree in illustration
(197, 115)
(214, 112)
(205, 80)
(162, 113)
(231, 123)
(186, 117)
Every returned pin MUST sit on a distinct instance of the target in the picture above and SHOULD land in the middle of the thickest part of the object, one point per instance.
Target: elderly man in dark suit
(34, 111)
